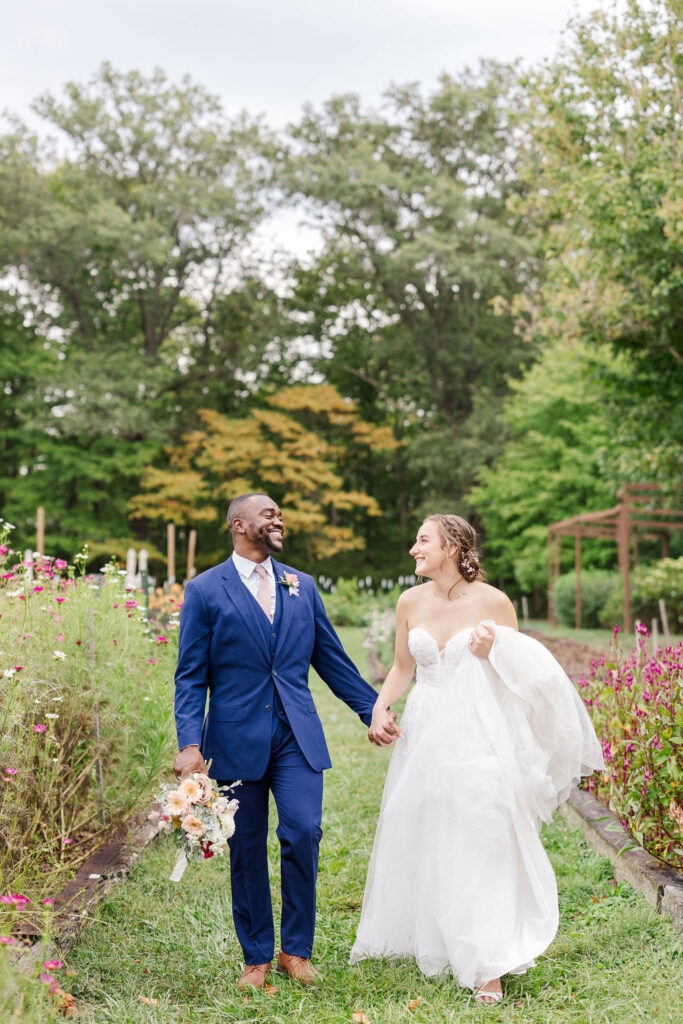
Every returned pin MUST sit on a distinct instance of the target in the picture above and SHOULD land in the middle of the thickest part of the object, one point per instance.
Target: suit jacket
(230, 652)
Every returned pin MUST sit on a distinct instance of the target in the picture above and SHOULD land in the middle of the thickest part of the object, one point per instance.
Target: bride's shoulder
(497, 605)
(409, 598)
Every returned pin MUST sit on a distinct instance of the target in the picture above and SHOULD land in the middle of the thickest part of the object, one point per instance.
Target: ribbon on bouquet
(180, 865)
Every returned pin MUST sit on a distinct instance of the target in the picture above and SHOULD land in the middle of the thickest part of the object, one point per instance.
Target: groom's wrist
(187, 747)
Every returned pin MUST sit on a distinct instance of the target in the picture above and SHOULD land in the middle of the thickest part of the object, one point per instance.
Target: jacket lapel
(287, 604)
(245, 605)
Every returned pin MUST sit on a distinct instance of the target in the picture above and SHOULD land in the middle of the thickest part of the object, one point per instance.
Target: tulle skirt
(458, 877)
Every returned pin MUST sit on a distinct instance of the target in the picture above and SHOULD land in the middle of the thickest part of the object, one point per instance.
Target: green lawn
(613, 960)
(597, 637)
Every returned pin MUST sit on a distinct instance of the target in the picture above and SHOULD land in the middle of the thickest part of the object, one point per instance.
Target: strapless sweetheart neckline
(467, 629)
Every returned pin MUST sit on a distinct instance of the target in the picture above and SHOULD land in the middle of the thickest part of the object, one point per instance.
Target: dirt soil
(573, 655)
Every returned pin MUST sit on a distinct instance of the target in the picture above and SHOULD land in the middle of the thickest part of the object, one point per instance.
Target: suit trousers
(298, 793)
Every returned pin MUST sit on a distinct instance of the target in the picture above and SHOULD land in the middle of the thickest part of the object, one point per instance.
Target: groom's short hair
(237, 505)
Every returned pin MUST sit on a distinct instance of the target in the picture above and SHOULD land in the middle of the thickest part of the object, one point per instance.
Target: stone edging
(661, 886)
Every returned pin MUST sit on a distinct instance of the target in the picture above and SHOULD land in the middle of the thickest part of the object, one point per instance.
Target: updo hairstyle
(456, 530)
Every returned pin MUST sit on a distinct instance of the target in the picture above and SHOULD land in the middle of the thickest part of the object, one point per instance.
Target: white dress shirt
(245, 567)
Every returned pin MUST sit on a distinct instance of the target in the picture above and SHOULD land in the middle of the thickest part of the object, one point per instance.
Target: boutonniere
(291, 581)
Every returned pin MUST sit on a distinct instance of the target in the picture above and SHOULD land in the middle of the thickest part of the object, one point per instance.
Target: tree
(301, 445)
(420, 248)
(561, 430)
(604, 188)
(126, 250)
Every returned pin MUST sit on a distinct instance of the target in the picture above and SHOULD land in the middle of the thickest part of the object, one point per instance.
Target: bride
(492, 739)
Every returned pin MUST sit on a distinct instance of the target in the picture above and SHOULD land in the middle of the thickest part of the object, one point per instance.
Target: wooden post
(191, 548)
(551, 614)
(525, 610)
(623, 537)
(144, 576)
(40, 530)
(665, 621)
(170, 553)
(577, 569)
(654, 635)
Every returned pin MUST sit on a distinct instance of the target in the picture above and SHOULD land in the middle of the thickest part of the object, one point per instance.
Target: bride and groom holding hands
(492, 737)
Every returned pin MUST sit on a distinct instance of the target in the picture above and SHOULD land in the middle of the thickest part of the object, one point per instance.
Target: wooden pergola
(637, 509)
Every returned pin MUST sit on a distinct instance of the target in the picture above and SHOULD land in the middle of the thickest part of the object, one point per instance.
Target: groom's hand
(383, 729)
(189, 760)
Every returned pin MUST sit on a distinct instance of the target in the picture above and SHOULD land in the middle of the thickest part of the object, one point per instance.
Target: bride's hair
(456, 530)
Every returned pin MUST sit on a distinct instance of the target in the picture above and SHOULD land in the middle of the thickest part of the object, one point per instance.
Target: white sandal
(481, 996)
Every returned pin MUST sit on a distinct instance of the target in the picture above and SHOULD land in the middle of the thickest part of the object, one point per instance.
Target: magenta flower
(52, 965)
(10, 771)
(49, 902)
(162, 640)
(7, 940)
(40, 728)
(16, 899)
(50, 981)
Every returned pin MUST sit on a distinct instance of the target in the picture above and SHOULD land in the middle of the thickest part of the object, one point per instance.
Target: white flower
(51, 716)
(59, 655)
(9, 672)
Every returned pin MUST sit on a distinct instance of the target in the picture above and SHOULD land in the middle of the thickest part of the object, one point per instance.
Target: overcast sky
(270, 56)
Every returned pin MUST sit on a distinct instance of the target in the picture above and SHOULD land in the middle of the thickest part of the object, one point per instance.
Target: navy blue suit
(262, 727)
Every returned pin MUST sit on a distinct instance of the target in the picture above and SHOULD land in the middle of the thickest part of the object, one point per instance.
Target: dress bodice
(435, 664)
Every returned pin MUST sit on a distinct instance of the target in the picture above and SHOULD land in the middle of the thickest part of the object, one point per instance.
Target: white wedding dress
(458, 876)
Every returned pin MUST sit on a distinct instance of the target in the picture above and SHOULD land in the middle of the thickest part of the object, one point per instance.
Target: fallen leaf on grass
(359, 1018)
(414, 1003)
(270, 990)
(148, 1002)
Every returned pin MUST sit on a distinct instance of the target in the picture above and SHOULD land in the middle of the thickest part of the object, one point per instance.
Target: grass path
(613, 960)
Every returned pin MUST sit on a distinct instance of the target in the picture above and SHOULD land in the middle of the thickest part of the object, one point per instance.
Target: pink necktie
(263, 590)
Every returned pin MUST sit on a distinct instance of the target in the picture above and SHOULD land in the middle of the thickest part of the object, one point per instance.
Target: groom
(249, 630)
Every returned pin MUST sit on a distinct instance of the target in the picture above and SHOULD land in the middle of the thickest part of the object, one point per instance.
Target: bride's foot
(490, 993)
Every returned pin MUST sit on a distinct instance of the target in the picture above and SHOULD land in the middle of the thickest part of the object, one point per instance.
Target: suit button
(274, 636)
(274, 673)
(267, 707)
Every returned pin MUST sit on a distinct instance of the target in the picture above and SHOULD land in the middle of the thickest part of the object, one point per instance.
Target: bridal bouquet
(200, 818)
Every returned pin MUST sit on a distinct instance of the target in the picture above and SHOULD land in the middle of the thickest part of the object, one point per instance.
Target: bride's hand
(481, 640)
(383, 729)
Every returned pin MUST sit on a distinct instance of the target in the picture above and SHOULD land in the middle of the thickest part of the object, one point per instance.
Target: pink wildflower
(162, 640)
(40, 728)
(52, 965)
(50, 981)
(16, 899)
(49, 902)
(7, 940)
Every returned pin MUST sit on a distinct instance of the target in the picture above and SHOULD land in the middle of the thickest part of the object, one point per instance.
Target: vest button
(267, 707)
(274, 672)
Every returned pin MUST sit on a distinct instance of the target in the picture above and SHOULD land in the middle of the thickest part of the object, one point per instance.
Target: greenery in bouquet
(200, 818)
(636, 704)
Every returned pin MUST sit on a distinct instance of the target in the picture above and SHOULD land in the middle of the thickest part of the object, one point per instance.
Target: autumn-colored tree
(306, 446)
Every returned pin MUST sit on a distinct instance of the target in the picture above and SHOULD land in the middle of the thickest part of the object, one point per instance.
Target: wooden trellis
(636, 510)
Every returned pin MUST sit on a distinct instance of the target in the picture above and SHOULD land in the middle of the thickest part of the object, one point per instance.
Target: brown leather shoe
(298, 968)
(254, 975)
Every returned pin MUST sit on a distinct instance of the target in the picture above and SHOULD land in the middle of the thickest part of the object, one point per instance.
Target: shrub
(349, 604)
(636, 703)
(649, 583)
(596, 588)
(85, 713)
